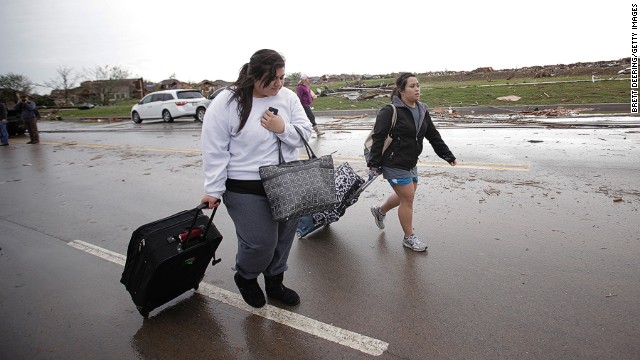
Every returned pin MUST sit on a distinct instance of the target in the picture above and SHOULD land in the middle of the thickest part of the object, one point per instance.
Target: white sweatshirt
(227, 153)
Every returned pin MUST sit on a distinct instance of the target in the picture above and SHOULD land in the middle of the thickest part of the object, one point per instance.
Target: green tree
(16, 83)
(43, 100)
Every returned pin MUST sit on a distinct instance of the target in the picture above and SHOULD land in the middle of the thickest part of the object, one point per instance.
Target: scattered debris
(557, 112)
(530, 183)
(358, 91)
(351, 117)
(492, 191)
(53, 115)
(611, 295)
(534, 141)
(617, 199)
(448, 112)
(509, 98)
(352, 96)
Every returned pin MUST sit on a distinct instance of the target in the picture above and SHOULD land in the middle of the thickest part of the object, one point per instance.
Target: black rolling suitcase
(168, 257)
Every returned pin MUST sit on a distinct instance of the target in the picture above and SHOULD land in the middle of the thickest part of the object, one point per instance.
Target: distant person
(306, 98)
(398, 163)
(27, 111)
(241, 131)
(4, 134)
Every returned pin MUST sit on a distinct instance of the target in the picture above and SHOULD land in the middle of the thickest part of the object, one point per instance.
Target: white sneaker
(413, 243)
(377, 215)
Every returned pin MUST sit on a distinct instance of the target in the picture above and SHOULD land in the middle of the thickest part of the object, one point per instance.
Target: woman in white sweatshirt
(239, 134)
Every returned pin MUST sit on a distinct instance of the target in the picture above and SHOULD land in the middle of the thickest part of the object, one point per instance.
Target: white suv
(169, 105)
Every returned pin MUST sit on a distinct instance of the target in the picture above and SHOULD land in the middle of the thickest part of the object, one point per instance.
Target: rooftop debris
(358, 91)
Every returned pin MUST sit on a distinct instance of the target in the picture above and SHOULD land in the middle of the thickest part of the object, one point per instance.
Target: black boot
(276, 290)
(250, 291)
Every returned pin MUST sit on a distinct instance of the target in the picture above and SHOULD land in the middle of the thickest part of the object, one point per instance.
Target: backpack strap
(394, 118)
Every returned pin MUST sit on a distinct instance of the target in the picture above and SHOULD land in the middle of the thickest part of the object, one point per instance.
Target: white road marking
(328, 332)
(98, 251)
(362, 343)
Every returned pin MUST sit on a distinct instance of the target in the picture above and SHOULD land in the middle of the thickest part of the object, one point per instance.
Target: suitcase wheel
(144, 312)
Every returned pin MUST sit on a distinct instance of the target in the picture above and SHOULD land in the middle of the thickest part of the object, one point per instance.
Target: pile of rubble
(557, 112)
(358, 91)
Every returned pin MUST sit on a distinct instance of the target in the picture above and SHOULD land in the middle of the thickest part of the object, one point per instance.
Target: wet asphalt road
(534, 252)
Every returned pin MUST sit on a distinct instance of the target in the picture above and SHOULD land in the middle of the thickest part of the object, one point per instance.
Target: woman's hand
(272, 122)
(453, 163)
(211, 201)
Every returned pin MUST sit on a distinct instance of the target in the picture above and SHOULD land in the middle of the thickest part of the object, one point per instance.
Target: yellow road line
(337, 158)
(122, 147)
(442, 164)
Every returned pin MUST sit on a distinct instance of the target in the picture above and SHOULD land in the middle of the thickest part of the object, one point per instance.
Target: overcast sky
(197, 40)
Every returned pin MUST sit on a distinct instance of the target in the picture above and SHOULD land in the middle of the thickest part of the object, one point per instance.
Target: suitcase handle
(195, 219)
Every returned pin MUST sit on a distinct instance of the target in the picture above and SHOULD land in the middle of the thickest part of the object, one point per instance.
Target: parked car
(208, 101)
(169, 105)
(15, 125)
(86, 106)
(215, 93)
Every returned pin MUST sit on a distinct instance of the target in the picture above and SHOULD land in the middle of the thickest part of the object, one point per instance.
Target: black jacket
(407, 143)
(27, 111)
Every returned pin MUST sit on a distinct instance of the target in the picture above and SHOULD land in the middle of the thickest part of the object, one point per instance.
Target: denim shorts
(402, 181)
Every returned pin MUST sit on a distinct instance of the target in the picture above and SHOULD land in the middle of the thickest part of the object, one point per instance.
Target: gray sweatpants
(263, 244)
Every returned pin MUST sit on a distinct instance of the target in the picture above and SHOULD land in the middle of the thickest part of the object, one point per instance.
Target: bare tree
(65, 81)
(18, 84)
(105, 79)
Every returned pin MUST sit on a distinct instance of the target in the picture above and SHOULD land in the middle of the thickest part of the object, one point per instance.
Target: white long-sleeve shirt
(229, 154)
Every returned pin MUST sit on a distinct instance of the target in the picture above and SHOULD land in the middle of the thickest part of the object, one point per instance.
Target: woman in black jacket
(398, 163)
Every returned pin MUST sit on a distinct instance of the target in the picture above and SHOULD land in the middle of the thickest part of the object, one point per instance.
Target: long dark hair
(401, 83)
(262, 66)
